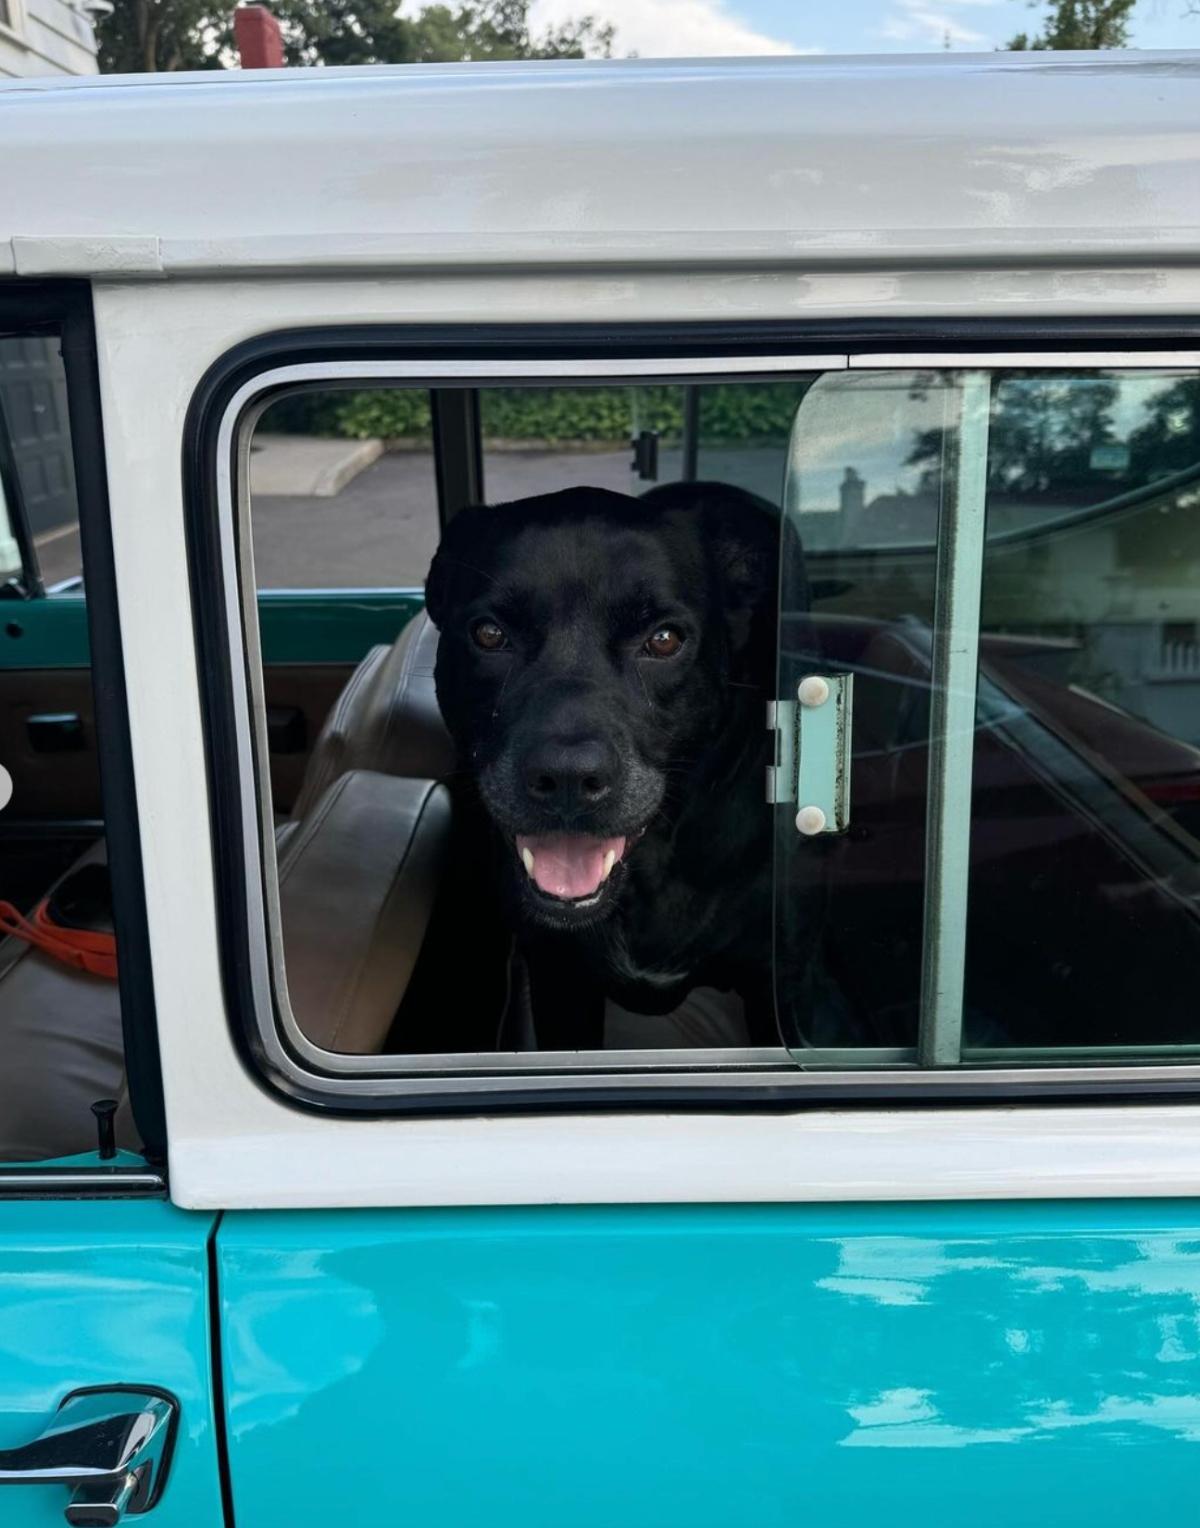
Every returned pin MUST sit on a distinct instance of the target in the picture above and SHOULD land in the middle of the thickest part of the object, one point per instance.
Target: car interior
(1086, 750)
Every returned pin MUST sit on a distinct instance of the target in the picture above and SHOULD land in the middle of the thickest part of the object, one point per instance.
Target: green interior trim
(332, 625)
(47, 632)
(298, 626)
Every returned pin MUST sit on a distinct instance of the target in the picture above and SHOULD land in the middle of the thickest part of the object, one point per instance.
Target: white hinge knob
(810, 820)
(813, 691)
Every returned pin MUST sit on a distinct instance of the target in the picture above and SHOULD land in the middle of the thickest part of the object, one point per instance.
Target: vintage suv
(340, 1242)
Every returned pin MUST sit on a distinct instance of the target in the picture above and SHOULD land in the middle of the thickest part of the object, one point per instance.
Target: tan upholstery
(61, 1052)
(387, 719)
(357, 882)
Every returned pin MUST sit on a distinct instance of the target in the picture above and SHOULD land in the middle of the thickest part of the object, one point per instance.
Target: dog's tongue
(568, 865)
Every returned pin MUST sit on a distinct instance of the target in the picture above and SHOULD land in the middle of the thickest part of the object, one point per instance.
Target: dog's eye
(489, 636)
(665, 642)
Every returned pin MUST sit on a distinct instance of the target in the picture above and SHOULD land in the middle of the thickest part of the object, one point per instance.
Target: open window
(62, 1011)
(973, 761)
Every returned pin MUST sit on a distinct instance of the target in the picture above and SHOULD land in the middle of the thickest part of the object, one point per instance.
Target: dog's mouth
(570, 867)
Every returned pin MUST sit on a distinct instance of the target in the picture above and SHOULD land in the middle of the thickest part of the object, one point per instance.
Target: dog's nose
(569, 775)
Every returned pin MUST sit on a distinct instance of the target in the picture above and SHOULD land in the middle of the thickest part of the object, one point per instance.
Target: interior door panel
(60, 783)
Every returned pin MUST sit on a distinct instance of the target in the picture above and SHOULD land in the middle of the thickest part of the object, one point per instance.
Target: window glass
(1061, 901)
(33, 408)
(1084, 912)
(60, 1017)
(857, 599)
(971, 601)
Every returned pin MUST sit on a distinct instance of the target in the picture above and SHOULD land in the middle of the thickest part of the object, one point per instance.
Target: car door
(103, 1300)
(709, 1365)
(106, 1381)
(701, 1316)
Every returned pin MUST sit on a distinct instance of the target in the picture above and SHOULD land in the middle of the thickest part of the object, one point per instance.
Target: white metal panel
(1004, 160)
(232, 1143)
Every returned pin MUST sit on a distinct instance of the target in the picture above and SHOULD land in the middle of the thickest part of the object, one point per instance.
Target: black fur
(578, 580)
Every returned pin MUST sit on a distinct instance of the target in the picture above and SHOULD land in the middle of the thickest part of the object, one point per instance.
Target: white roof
(1001, 158)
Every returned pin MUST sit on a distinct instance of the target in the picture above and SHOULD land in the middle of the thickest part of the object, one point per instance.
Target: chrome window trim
(1026, 360)
(558, 1076)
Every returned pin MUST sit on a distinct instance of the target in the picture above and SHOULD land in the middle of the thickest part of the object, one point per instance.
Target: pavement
(381, 529)
(335, 514)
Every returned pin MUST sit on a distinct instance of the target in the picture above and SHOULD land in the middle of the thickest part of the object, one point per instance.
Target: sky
(690, 28)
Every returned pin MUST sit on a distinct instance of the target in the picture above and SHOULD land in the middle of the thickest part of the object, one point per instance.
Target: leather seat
(386, 719)
(357, 882)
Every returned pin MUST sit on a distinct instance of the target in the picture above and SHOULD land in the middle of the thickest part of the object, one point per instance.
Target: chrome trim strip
(1030, 360)
(958, 590)
(100, 1181)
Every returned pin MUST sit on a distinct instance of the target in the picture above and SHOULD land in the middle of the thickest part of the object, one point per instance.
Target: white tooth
(527, 860)
(610, 859)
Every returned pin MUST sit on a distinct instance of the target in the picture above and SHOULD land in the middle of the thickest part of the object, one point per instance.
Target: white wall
(45, 37)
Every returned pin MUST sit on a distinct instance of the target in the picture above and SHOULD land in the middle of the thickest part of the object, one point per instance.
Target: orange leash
(84, 949)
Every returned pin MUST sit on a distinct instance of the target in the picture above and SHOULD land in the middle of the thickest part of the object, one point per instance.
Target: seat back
(386, 719)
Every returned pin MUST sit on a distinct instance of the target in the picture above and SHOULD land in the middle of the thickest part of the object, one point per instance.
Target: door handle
(111, 1445)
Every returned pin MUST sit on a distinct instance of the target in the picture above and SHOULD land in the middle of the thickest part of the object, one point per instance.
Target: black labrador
(603, 667)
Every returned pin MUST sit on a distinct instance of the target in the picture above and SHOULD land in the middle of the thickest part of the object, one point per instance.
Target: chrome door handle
(111, 1445)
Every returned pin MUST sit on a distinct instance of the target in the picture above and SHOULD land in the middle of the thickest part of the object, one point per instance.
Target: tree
(1082, 24)
(143, 35)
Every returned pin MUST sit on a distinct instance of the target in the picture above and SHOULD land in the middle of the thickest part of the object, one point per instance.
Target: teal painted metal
(305, 626)
(954, 679)
(44, 633)
(97, 1293)
(932, 1365)
(332, 625)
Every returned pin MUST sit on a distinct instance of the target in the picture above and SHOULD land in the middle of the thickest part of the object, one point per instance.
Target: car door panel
(100, 1293)
(936, 1363)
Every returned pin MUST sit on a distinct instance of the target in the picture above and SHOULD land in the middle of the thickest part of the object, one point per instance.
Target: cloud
(667, 28)
(915, 21)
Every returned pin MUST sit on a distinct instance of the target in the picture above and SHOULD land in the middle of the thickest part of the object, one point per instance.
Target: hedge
(728, 414)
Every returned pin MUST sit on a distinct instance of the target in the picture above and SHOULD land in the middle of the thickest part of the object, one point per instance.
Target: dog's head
(592, 649)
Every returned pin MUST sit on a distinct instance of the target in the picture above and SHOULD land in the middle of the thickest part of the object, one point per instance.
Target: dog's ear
(742, 532)
(452, 558)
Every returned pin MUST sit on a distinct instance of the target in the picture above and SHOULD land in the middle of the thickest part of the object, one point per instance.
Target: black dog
(603, 666)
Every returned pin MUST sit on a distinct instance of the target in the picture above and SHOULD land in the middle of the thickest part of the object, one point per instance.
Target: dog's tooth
(610, 859)
(527, 860)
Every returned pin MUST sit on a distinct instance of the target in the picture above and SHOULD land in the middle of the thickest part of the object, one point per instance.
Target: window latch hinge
(812, 753)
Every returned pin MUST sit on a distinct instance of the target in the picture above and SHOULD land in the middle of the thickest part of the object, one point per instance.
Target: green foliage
(1080, 24)
(147, 35)
(728, 414)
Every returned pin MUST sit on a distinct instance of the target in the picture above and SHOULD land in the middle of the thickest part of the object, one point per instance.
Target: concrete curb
(307, 466)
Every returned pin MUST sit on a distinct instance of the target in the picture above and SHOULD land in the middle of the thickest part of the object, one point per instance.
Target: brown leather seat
(357, 882)
(386, 719)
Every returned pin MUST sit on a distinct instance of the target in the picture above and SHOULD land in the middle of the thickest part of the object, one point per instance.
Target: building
(49, 36)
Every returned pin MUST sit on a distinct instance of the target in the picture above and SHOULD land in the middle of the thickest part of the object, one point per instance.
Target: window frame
(15, 27)
(236, 389)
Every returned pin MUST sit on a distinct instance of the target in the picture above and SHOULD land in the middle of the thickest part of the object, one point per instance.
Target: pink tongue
(569, 865)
